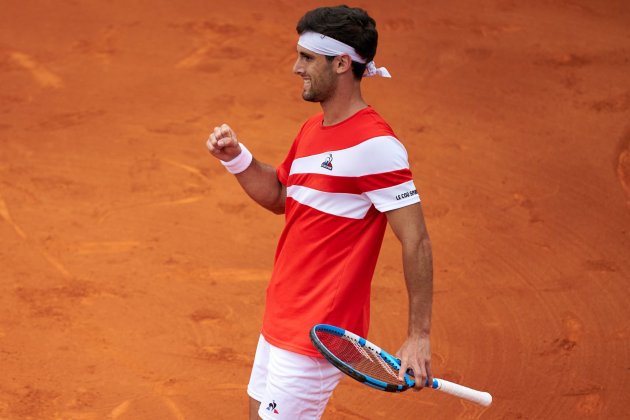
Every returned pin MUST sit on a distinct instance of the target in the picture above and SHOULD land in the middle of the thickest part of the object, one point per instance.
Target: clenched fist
(223, 143)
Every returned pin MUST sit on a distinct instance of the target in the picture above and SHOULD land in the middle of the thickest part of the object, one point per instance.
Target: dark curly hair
(350, 25)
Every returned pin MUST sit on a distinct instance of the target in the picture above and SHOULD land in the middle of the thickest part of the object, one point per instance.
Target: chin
(309, 97)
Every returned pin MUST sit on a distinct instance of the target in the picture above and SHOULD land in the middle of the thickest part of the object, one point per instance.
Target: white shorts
(290, 385)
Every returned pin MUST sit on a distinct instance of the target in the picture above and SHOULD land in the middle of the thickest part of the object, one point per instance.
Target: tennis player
(345, 177)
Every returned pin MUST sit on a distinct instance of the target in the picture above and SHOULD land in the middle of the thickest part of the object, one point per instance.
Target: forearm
(261, 183)
(418, 271)
(259, 180)
(415, 353)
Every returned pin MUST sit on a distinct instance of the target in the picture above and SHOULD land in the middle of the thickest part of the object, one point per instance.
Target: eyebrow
(305, 54)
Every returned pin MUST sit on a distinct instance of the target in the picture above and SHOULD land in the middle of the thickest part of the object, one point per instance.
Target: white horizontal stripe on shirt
(353, 206)
(374, 156)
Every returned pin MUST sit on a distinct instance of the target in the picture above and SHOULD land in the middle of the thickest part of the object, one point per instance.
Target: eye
(306, 57)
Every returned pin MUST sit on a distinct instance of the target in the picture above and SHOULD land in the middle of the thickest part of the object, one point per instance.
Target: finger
(224, 136)
(429, 373)
(229, 135)
(223, 141)
(217, 133)
(212, 139)
(214, 150)
(403, 369)
(417, 375)
(212, 145)
(422, 376)
(226, 130)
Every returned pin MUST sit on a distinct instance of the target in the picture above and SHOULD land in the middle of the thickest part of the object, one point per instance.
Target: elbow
(421, 244)
(278, 204)
(277, 209)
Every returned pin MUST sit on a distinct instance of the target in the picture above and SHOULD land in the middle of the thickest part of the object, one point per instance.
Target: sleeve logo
(406, 194)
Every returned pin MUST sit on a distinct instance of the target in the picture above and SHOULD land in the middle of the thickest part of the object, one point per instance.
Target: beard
(320, 89)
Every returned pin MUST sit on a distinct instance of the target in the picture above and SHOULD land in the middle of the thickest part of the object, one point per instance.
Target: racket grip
(479, 397)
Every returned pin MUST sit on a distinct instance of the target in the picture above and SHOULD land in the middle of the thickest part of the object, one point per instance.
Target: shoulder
(381, 151)
(367, 124)
(373, 118)
(377, 147)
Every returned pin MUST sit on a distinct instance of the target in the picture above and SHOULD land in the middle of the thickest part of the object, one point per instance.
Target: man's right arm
(261, 183)
(258, 179)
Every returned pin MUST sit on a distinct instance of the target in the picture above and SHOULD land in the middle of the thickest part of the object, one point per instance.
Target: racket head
(360, 359)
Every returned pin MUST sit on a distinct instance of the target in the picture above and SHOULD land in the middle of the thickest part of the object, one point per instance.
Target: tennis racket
(369, 364)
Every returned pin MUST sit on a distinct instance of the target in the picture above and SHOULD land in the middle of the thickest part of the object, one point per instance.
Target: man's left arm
(409, 226)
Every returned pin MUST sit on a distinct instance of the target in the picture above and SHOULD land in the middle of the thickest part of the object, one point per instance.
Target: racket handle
(479, 397)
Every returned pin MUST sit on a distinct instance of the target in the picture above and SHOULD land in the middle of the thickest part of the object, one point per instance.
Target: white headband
(322, 44)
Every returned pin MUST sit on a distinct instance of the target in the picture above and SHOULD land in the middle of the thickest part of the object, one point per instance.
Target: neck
(345, 102)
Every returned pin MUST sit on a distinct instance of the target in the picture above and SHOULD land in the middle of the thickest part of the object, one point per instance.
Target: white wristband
(240, 162)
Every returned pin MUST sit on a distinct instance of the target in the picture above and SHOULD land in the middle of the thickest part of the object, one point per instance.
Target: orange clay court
(133, 268)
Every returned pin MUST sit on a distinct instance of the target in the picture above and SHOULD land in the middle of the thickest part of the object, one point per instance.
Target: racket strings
(359, 358)
(387, 367)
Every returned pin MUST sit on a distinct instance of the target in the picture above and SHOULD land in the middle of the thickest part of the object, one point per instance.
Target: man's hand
(223, 143)
(415, 354)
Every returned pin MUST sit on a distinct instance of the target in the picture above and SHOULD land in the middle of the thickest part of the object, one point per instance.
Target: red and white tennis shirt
(339, 179)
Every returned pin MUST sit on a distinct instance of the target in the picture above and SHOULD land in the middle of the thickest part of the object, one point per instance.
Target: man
(344, 179)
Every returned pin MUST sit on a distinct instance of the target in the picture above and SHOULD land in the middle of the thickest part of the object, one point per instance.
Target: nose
(297, 67)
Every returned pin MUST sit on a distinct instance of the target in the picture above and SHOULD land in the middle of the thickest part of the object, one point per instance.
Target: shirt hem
(311, 352)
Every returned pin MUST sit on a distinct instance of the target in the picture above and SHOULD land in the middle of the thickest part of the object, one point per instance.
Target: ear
(342, 64)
